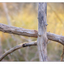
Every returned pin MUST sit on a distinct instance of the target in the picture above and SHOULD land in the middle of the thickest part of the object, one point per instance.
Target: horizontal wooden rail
(30, 33)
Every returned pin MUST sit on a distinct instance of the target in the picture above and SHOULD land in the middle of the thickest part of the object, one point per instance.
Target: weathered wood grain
(30, 33)
(42, 36)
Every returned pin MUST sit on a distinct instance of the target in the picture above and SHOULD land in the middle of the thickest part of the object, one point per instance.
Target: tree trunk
(42, 36)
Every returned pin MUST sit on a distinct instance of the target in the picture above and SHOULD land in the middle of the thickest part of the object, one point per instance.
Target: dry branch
(16, 30)
(16, 48)
(30, 33)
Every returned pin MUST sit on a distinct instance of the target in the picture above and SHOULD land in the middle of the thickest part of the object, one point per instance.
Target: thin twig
(34, 56)
(16, 48)
(0, 47)
(62, 54)
(6, 13)
(55, 13)
(8, 55)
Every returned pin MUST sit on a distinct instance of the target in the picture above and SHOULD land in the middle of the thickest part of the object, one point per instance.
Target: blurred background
(25, 15)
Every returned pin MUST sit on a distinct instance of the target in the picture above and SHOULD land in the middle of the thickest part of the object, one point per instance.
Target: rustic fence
(42, 35)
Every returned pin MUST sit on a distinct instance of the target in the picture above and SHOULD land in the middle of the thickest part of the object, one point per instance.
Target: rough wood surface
(42, 36)
(16, 48)
(18, 31)
(30, 33)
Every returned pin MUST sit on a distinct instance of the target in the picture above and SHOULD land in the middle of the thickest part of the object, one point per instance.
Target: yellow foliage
(27, 18)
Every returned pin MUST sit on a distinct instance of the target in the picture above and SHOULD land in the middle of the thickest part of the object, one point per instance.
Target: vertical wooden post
(42, 36)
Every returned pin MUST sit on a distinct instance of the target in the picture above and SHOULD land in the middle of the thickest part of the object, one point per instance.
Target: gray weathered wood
(42, 36)
(30, 33)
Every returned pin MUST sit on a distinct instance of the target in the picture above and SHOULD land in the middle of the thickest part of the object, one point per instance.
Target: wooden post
(42, 36)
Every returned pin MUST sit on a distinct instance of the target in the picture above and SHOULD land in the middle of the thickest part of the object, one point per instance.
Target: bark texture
(30, 33)
(42, 36)
(18, 31)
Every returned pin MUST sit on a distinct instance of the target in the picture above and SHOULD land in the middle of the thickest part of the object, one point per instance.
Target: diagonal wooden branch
(30, 33)
(16, 48)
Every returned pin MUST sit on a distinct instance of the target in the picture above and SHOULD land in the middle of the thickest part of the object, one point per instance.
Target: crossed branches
(26, 32)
